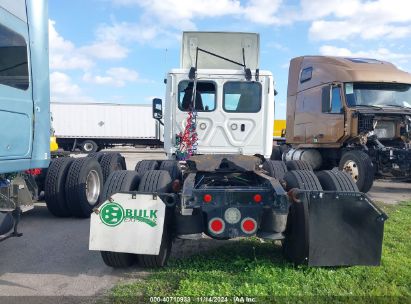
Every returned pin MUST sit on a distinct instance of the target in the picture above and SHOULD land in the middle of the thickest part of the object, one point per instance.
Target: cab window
(205, 100)
(242, 97)
(13, 59)
(336, 106)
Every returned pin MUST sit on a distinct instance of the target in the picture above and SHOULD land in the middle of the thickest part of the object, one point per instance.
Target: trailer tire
(298, 165)
(275, 168)
(54, 186)
(84, 185)
(111, 162)
(276, 153)
(296, 244)
(119, 181)
(146, 165)
(335, 180)
(302, 179)
(359, 165)
(172, 167)
(89, 146)
(157, 181)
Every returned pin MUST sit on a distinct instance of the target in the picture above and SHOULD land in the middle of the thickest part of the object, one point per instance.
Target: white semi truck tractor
(218, 179)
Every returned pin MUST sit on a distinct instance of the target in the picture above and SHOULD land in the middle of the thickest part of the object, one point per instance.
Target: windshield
(378, 94)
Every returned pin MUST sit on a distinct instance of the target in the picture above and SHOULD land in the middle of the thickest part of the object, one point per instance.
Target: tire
(112, 162)
(118, 259)
(119, 181)
(360, 167)
(335, 180)
(84, 173)
(97, 155)
(276, 153)
(145, 165)
(302, 179)
(54, 186)
(275, 168)
(89, 146)
(172, 167)
(298, 165)
(157, 181)
(296, 244)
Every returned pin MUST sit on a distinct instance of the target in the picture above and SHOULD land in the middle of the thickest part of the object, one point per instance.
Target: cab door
(331, 124)
(16, 101)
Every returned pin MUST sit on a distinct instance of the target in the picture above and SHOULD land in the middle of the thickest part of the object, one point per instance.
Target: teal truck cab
(24, 107)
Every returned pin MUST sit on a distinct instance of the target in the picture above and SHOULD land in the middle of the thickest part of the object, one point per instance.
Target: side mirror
(157, 108)
(326, 99)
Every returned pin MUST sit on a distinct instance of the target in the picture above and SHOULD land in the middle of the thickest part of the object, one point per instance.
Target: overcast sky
(119, 50)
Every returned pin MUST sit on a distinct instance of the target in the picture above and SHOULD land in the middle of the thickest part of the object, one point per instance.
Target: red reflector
(34, 172)
(257, 198)
(207, 198)
(249, 225)
(216, 225)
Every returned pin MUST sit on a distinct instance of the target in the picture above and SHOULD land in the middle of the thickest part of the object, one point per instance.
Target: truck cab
(24, 104)
(233, 115)
(354, 113)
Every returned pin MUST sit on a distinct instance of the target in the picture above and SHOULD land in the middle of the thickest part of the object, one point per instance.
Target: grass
(252, 268)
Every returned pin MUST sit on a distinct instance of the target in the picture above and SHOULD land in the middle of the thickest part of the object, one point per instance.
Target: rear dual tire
(119, 181)
(152, 181)
(172, 167)
(335, 180)
(83, 186)
(275, 168)
(146, 165)
(55, 183)
(158, 181)
(296, 243)
(298, 165)
(112, 162)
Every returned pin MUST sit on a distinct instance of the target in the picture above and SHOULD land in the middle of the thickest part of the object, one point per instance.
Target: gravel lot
(52, 258)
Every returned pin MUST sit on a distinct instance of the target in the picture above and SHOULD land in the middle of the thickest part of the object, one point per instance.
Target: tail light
(257, 198)
(249, 225)
(216, 225)
(207, 198)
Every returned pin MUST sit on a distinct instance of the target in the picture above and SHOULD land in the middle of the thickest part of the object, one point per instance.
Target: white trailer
(94, 126)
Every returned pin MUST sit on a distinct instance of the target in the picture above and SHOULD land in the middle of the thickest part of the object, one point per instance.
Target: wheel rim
(351, 167)
(92, 187)
(88, 147)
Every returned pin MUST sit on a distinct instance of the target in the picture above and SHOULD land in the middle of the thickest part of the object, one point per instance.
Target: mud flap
(334, 229)
(129, 223)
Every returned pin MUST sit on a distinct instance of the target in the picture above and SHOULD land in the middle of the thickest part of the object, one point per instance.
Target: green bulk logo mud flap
(335, 229)
(128, 223)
